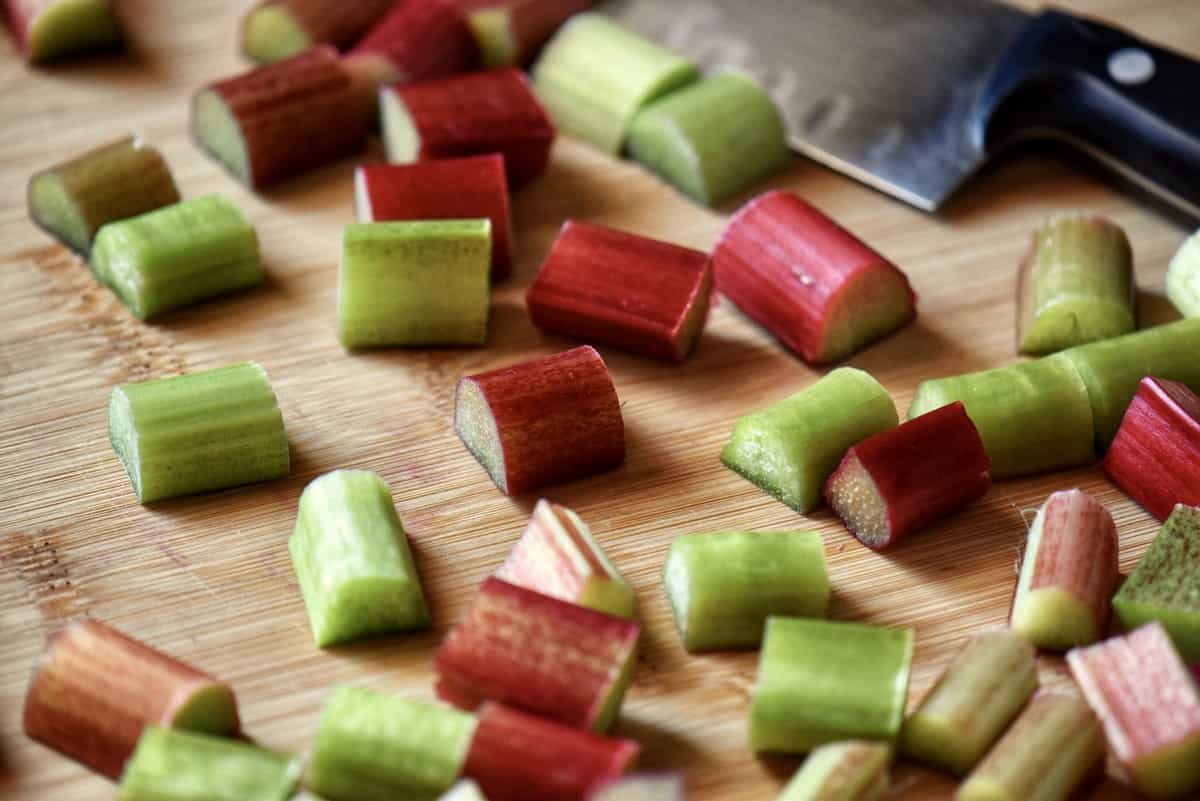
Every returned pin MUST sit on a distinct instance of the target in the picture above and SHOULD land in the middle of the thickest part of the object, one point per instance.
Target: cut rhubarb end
(278, 29)
(1183, 278)
(418, 40)
(1150, 707)
(465, 790)
(642, 787)
(51, 29)
(272, 33)
(510, 32)
(616, 288)
(847, 771)
(96, 689)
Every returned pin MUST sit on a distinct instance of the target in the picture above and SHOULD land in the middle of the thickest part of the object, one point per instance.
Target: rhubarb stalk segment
(854, 770)
(820, 291)
(1183, 278)
(415, 41)
(52, 29)
(509, 33)
(277, 29)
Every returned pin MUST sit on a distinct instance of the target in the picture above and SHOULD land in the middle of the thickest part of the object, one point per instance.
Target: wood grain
(208, 578)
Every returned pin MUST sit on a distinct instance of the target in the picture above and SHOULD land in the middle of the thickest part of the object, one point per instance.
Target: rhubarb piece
(468, 115)
(856, 770)
(448, 189)
(1033, 417)
(537, 653)
(1149, 705)
(415, 41)
(1068, 574)
(96, 689)
(465, 790)
(1049, 751)
(972, 702)
(713, 139)
(72, 200)
(642, 787)
(547, 421)
(790, 448)
(178, 255)
(557, 556)
(820, 681)
(518, 757)
(352, 560)
(509, 33)
(198, 432)
(278, 29)
(905, 478)
(594, 76)
(415, 283)
(375, 747)
(51, 29)
(1155, 457)
(816, 288)
(723, 586)
(1165, 585)
(615, 288)
(1076, 285)
(1183, 278)
(284, 119)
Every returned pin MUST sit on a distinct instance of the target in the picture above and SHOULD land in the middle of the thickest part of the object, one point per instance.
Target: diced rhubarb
(50, 29)
(642, 787)
(1183, 278)
(510, 32)
(416, 40)
(853, 770)
(277, 29)
(615, 288)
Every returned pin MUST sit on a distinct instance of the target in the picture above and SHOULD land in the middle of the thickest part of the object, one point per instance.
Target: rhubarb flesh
(279, 29)
(199, 432)
(821, 292)
(615, 288)
(52, 29)
(1068, 573)
(551, 420)
(415, 41)
(723, 586)
(557, 556)
(791, 448)
(1150, 707)
(642, 787)
(465, 790)
(1183, 278)
(855, 770)
(972, 702)
(905, 478)
(821, 681)
(509, 33)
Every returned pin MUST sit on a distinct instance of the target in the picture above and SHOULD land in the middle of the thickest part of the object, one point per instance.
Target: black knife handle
(1132, 104)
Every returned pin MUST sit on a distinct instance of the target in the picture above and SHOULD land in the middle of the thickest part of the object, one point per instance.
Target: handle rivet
(1131, 65)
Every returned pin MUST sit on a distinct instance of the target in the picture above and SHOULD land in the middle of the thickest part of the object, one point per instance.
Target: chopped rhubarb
(465, 790)
(642, 787)
(277, 29)
(510, 32)
(416, 40)
(1183, 278)
(51, 29)
(615, 288)
(854, 770)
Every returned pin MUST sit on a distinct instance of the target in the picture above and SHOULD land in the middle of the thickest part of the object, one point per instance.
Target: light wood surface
(208, 578)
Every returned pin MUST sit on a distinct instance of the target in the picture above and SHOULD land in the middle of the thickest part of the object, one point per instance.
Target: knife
(913, 96)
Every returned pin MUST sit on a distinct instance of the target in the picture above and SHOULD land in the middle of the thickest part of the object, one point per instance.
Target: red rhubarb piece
(815, 287)
(1155, 458)
(416, 41)
(513, 31)
(340, 24)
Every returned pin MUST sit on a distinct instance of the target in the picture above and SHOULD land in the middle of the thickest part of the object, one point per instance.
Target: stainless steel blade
(882, 90)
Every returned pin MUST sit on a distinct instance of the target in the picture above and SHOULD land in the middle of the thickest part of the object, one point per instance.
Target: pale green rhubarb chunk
(352, 560)
(821, 681)
(595, 75)
(67, 27)
(271, 32)
(855, 770)
(198, 432)
(1183, 278)
(415, 283)
(723, 586)
(791, 448)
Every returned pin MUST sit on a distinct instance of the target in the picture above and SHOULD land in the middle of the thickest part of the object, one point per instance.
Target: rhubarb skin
(515, 756)
(557, 556)
(1068, 573)
(96, 689)
(278, 29)
(854, 770)
(509, 33)
(52, 29)
(1155, 457)
(551, 420)
(415, 41)
(467, 115)
(1183, 278)
(537, 653)
(1150, 707)
(446, 189)
(615, 288)
(905, 478)
(820, 291)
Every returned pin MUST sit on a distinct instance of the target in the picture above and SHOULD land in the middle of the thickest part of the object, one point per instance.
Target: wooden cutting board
(208, 579)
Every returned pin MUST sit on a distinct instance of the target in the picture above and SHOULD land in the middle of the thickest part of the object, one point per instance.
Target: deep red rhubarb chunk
(1156, 455)
(417, 40)
(615, 288)
(815, 287)
(513, 31)
(447, 189)
(903, 479)
(537, 653)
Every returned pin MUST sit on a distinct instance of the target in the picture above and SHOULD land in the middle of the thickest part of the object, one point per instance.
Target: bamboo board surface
(208, 578)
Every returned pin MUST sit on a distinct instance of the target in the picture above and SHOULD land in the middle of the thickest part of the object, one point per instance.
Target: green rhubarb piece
(1076, 285)
(352, 560)
(848, 771)
(374, 747)
(198, 432)
(494, 36)
(1033, 417)
(178, 255)
(594, 76)
(791, 448)
(972, 703)
(415, 283)
(174, 765)
(1165, 585)
(821, 681)
(723, 586)
(1183, 278)
(68, 27)
(271, 33)
(713, 139)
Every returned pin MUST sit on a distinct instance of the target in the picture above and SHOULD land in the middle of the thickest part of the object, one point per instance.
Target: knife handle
(1125, 101)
